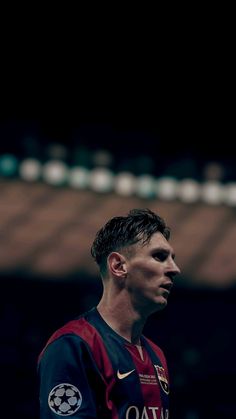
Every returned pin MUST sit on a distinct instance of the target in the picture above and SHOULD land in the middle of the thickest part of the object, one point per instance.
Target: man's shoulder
(79, 327)
(75, 326)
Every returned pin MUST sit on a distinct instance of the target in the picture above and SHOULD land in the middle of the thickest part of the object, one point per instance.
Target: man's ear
(117, 264)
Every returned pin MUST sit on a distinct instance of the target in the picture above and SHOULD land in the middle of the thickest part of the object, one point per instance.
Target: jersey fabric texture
(89, 371)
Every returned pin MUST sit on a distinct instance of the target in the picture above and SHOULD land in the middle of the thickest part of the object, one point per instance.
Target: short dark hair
(120, 232)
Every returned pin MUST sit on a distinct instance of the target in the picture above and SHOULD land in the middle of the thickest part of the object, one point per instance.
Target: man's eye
(160, 256)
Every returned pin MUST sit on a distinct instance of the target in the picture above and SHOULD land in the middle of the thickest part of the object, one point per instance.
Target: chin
(158, 305)
(161, 303)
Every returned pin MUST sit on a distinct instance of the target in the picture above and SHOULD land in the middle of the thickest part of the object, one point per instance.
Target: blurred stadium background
(95, 120)
(62, 175)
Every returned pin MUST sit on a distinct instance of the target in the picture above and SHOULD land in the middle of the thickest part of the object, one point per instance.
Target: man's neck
(122, 319)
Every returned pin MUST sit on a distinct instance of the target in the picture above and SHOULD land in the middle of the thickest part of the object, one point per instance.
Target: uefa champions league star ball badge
(64, 399)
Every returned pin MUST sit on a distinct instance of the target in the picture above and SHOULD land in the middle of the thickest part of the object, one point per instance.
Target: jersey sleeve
(68, 380)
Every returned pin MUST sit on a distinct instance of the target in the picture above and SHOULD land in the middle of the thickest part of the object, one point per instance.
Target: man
(100, 365)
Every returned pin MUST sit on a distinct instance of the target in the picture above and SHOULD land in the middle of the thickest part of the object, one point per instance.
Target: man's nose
(173, 268)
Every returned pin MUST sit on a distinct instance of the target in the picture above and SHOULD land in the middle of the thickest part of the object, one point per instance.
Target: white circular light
(230, 194)
(212, 192)
(189, 190)
(78, 177)
(145, 186)
(125, 183)
(101, 180)
(55, 172)
(166, 188)
(30, 170)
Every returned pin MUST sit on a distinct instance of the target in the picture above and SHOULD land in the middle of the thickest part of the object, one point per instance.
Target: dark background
(176, 108)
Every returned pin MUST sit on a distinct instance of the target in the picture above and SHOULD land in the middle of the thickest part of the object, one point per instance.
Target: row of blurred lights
(103, 180)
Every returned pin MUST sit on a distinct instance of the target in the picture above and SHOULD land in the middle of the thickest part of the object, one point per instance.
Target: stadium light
(125, 184)
(188, 190)
(212, 192)
(145, 186)
(166, 188)
(8, 165)
(78, 177)
(55, 172)
(30, 170)
(101, 180)
(230, 194)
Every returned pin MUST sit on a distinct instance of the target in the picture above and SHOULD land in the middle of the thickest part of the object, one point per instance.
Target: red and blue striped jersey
(89, 371)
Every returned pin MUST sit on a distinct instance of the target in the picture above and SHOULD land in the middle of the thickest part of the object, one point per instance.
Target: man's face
(150, 273)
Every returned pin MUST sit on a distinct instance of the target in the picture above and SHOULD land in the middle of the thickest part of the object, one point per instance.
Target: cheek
(150, 270)
(143, 275)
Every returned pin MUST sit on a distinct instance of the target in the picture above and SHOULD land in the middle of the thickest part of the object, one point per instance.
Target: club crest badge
(162, 379)
(64, 399)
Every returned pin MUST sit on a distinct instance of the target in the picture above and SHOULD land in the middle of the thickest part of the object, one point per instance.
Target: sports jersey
(89, 371)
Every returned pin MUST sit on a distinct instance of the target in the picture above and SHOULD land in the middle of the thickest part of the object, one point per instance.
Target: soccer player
(100, 365)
